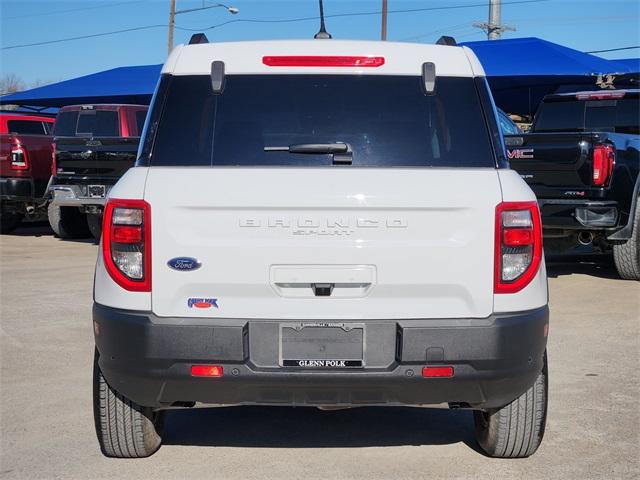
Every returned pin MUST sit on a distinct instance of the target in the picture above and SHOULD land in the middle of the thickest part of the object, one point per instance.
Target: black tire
(68, 222)
(124, 429)
(9, 221)
(94, 221)
(515, 430)
(627, 255)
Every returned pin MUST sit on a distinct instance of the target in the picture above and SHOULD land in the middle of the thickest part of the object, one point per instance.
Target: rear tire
(124, 428)
(94, 221)
(515, 430)
(627, 255)
(68, 222)
(9, 221)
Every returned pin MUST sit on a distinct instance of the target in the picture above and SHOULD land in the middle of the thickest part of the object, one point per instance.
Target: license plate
(96, 191)
(322, 345)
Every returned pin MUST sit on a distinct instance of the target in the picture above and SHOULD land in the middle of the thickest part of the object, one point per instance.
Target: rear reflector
(206, 370)
(437, 372)
(322, 61)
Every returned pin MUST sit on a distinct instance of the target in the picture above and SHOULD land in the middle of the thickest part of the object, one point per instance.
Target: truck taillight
(126, 243)
(603, 160)
(518, 245)
(54, 168)
(19, 158)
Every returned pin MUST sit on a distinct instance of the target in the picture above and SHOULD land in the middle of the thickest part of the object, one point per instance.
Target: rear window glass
(621, 116)
(27, 127)
(386, 121)
(140, 116)
(96, 123)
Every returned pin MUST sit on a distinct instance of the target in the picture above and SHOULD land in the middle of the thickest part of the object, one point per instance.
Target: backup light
(19, 160)
(322, 61)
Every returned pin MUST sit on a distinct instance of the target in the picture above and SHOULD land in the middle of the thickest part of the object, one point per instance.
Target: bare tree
(10, 83)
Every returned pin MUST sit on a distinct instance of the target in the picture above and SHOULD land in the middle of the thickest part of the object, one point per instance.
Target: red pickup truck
(25, 166)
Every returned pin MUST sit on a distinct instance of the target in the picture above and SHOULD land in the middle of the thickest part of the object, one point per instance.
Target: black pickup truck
(581, 159)
(94, 146)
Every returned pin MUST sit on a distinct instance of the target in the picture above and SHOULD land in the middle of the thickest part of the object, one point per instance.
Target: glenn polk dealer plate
(320, 345)
(96, 191)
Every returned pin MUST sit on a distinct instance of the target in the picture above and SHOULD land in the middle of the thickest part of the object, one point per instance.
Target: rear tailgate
(552, 161)
(106, 157)
(396, 243)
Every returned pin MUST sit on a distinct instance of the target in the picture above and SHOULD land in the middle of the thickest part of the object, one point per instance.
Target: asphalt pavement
(46, 420)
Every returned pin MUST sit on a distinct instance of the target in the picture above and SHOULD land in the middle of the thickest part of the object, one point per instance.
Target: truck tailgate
(552, 160)
(390, 243)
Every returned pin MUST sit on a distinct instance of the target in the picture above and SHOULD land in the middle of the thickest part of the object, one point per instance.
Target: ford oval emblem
(184, 263)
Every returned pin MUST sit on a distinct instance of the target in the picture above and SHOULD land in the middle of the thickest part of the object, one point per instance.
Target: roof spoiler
(198, 38)
(444, 40)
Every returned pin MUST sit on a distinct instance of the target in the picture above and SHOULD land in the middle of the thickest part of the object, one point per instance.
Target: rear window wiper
(341, 152)
(311, 148)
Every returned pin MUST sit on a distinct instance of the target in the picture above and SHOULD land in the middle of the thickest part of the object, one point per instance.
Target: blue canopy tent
(118, 85)
(633, 64)
(521, 71)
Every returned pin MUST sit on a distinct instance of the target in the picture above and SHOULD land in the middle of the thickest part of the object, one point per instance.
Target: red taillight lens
(322, 61)
(437, 372)
(518, 248)
(206, 370)
(603, 160)
(126, 243)
(126, 234)
(19, 158)
(54, 168)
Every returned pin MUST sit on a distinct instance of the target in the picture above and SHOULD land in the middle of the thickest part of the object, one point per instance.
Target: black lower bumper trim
(148, 359)
(12, 188)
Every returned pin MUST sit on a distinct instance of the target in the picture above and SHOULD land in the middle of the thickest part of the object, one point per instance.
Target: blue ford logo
(184, 263)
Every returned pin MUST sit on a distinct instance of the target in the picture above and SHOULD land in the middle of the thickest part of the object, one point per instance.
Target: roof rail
(445, 40)
(198, 38)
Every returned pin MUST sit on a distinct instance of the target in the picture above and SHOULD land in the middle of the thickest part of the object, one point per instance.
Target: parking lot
(46, 418)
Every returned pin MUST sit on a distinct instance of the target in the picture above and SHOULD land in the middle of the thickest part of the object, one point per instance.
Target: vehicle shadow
(305, 427)
(600, 266)
(42, 229)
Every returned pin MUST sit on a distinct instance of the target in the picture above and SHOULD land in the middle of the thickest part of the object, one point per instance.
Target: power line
(42, 14)
(614, 49)
(248, 20)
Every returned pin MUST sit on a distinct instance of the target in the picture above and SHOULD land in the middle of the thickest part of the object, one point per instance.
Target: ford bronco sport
(321, 223)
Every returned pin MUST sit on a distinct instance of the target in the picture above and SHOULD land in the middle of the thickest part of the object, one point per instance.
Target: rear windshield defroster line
(387, 121)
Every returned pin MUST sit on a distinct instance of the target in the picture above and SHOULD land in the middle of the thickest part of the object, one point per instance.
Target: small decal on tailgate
(202, 302)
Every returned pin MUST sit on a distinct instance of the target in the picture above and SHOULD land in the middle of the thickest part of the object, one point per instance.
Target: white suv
(321, 223)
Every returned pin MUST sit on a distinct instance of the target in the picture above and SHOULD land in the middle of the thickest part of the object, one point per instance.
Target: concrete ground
(46, 423)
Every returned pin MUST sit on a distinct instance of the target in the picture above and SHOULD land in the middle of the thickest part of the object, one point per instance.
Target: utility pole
(494, 27)
(383, 28)
(173, 13)
(172, 23)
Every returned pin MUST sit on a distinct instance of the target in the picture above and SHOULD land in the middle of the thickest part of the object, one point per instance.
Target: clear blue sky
(582, 24)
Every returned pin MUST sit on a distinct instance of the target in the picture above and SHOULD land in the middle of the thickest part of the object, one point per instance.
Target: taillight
(19, 158)
(126, 243)
(54, 168)
(518, 245)
(322, 61)
(603, 160)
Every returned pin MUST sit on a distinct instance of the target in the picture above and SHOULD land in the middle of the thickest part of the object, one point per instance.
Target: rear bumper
(148, 359)
(580, 215)
(76, 195)
(16, 189)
